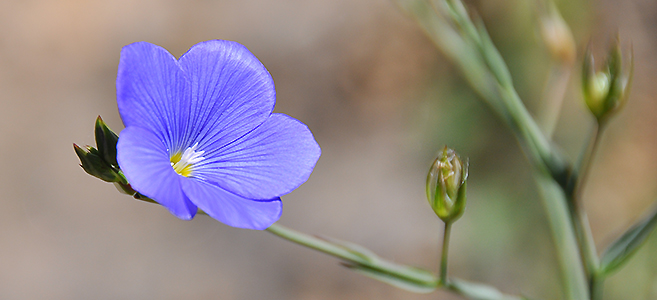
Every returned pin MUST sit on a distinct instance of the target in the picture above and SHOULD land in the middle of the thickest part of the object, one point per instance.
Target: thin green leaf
(621, 250)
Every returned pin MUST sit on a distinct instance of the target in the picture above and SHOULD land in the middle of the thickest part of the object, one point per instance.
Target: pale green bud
(606, 91)
(446, 184)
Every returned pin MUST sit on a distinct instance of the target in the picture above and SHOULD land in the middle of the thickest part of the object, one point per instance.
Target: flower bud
(92, 162)
(446, 183)
(606, 91)
(106, 141)
(557, 36)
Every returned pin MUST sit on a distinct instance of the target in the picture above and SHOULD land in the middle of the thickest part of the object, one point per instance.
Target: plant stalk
(596, 287)
(578, 214)
(444, 253)
(351, 256)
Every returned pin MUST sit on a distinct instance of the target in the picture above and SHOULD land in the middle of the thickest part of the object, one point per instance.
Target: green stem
(564, 238)
(597, 287)
(359, 258)
(585, 159)
(578, 214)
(444, 253)
(313, 243)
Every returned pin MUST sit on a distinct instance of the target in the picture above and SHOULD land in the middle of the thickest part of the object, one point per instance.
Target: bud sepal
(92, 163)
(106, 141)
(101, 162)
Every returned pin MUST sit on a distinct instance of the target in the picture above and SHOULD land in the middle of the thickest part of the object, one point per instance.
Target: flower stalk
(357, 257)
(578, 215)
(444, 253)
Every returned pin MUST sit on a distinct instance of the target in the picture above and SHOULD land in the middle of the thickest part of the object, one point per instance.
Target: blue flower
(200, 133)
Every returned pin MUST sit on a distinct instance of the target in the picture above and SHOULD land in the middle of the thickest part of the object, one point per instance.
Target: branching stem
(578, 214)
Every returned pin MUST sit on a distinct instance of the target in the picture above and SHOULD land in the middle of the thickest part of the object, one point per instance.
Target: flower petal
(232, 92)
(153, 92)
(145, 162)
(268, 162)
(232, 209)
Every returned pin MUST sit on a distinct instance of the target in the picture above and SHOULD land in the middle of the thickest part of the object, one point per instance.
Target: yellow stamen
(182, 162)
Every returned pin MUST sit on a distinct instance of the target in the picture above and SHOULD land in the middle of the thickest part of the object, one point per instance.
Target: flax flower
(200, 133)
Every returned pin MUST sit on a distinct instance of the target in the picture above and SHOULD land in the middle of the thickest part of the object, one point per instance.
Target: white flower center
(182, 162)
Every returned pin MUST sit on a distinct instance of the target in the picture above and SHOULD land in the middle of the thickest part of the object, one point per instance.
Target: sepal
(92, 163)
(106, 141)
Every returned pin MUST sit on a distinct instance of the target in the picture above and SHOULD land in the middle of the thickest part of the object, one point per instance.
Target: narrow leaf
(619, 252)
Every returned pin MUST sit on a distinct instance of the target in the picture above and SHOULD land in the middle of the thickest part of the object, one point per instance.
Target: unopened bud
(92, 163)
(446, 184)
(606, 91)
(558, 37)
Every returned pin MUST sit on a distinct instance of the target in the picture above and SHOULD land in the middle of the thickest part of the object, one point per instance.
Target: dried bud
(446, 183)
(557, 37)
(606, 91)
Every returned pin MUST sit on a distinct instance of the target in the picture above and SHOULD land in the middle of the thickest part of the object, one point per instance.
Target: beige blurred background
(381, 102)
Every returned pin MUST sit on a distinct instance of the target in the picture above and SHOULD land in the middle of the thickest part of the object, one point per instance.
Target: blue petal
(268, 162)
(231, 209)
(153, 92)
(232, 92)
(145, 162)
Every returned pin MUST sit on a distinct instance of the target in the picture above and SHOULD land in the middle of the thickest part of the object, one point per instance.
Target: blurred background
(381, 101)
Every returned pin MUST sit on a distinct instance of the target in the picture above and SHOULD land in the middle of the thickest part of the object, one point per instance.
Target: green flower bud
(606, 91)
(106, 141)
(446, 184)
(92, 162)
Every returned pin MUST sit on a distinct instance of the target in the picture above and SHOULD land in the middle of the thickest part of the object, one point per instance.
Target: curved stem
(313, 242)
(357, 257)
(444, 253)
